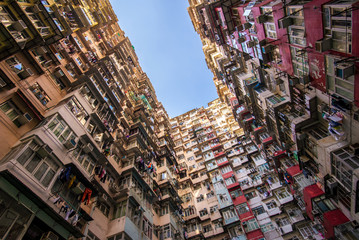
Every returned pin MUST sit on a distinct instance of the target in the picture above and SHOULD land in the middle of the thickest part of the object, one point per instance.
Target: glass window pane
(33, 163)
(47, 179)
(41, 171)
(25, 156)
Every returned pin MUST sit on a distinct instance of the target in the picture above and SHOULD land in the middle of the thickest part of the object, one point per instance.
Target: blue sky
(169, 51)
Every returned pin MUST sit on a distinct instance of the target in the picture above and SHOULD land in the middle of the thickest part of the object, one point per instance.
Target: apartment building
(291, 68)
(86, 151)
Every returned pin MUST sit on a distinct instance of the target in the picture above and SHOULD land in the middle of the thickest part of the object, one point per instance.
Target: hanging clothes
(68, 214)
(75, 220)
(71, 182)
(87, 194)
(65, 174)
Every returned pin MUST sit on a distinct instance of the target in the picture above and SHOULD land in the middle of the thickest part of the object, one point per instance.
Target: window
(104, 208)
(209, 195)
(13, 113)
(229, 214)
(258, 210)
(42, 168)
(166, 232)
(271, 204)
(86, 160)
(223, 198)
(203, 212)
(60, 129)
(190, 158)
(300, 61)
(164, 210)
(91, 236)
(217, 225)
(147, 228)
(230, 181)
(340, 86)
(207, 228)
(338, 26)
(282, 193)
(18, 68)
(200, 198)
(226, 169)
(13, 217)
(77, 110)
(189, 211)
(242, 208)
(267, 227)
(250, 195)
(307, 231)
(270, 30)
(251, 225)
(40, 94)
(78, 42)
(120, 210)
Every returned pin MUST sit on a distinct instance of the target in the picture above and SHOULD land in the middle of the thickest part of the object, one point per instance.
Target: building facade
(83, 135)
(291, 67)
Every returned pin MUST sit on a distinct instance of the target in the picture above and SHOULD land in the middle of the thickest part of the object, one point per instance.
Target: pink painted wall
(313, 20)
(317, 70)
(284, 49)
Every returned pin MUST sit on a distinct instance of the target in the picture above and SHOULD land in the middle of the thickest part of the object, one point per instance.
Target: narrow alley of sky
(169, 51)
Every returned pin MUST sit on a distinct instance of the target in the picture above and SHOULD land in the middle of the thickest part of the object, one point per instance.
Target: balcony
(295, 215)
(194, 233)
(219, 154)
(192, 216)
(251, 149)
(231, 220)
(283, 196)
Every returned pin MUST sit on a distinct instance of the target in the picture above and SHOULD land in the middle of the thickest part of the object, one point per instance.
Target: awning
(313, 191)
(293, 171)
(335, 217)
(331, 220)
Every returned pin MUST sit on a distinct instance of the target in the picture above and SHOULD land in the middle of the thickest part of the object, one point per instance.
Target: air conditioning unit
(71, 65)
(331, 184)
(47, 64)
(41, 50)
(285, 22)
(36, 9)
(246, 25)
(106, 135)
(25, 74)
(304, 79)
(103, 197)
(262, 18)
(70, 143)
(344, 70)
(241, 39)
(25, 118)
(78, 189)
(267, 48)
(49, 236)
(59, 73)
(323, 45)
(98, 137)
(44, 151)
(355, 224)
(88, 148)
(2, 83)
(251, 44)
(355, 148)
(19, 25)
(322, 107)
(315, 213)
